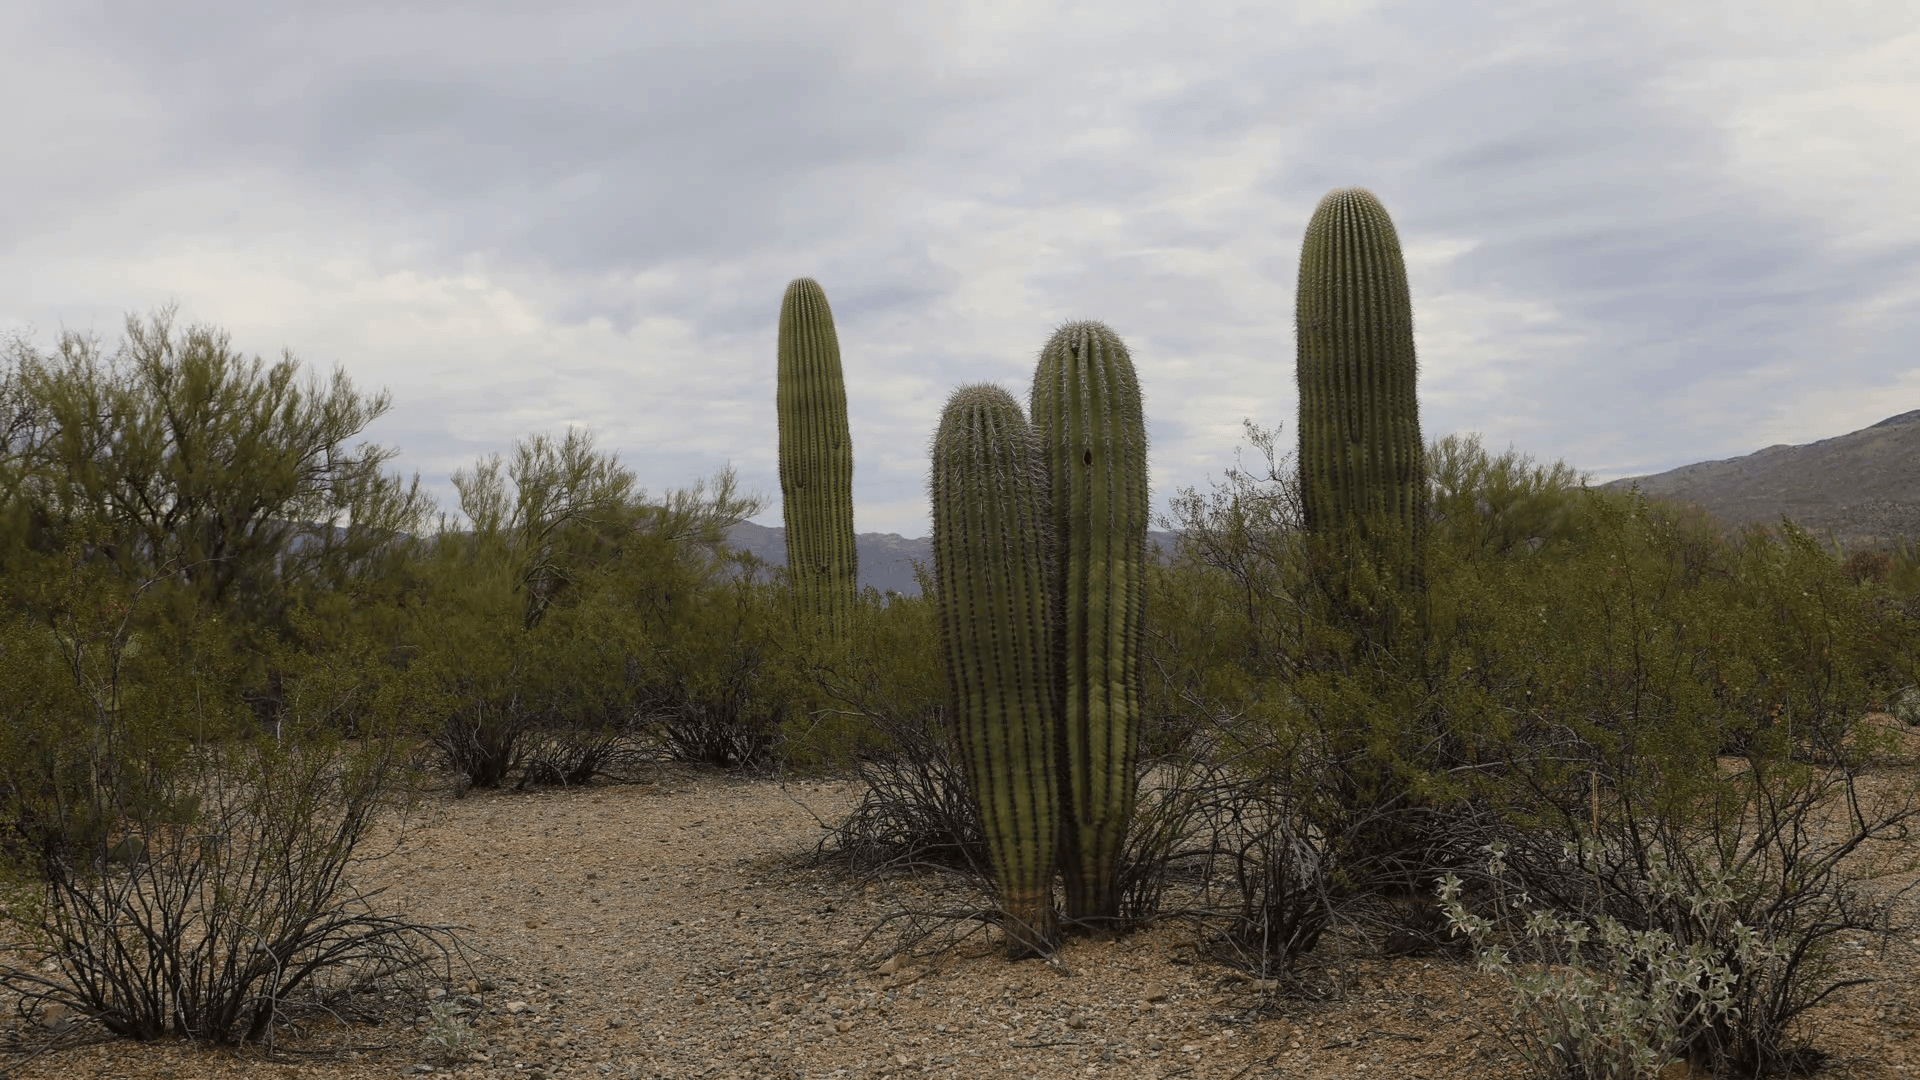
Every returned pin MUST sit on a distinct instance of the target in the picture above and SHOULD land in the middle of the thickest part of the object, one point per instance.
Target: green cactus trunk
(992, 590)
(1087, 411)
(816, 458)
(1363, 479)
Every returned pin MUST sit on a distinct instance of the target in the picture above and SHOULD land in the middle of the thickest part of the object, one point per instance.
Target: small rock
(843, 1026)
(57, 1018)
(436, 994)
(517, 1007)
(484, 986)
(1077, 1022)
(1155, 1042)
(1906, 706)
(1153, 992)
(699, 999)
(1190, 1048)
(616, 1022)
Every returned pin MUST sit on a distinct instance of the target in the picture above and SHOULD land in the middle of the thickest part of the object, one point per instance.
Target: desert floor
(668, 928)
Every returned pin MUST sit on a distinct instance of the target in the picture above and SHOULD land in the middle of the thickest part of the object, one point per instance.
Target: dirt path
(662, 930)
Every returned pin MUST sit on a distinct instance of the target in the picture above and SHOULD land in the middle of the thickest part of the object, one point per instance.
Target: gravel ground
(669, 930)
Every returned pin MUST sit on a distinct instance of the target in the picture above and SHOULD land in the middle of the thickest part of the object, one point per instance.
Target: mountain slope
(886, 559)
(1862, 488)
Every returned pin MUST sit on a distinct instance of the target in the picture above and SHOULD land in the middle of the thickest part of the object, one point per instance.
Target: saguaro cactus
(991, 587)
(1362, 461)
(816, 457)
(1086, 409)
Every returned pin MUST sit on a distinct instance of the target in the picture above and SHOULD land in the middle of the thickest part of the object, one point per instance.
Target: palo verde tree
(180, 458)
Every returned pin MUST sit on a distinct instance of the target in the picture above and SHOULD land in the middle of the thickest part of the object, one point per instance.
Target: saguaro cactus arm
(816, 456)
(1087, 410)
(1362, 459)
(992, 592)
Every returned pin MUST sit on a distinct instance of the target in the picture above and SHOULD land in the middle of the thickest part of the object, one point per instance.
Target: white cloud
(1637, 234)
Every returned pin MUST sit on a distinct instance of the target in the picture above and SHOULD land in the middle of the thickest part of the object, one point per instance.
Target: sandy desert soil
(667, 929)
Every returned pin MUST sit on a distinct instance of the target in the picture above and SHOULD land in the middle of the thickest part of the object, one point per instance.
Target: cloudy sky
(1638, 234)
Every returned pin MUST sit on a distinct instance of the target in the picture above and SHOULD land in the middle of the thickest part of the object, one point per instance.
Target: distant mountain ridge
(886, 559)
(1861, 488)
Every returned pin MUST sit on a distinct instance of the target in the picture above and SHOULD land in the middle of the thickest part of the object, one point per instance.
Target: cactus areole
(1362, 461)
(1087, 412)
(816, 458)
(991, 587)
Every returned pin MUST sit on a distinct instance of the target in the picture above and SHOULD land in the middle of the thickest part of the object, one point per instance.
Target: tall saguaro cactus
(816, 457)
(992, 590)
(1086, 409)
(1362, 461)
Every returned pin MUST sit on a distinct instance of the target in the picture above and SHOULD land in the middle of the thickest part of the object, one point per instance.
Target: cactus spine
(1362, 461)
(816, 457)
(992, 589)
(1087, 411)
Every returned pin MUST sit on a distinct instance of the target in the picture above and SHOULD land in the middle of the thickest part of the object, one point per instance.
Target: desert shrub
(1754, 873)
(1567, 633)
(852, 697)
(1670, 705)
(580, 626)
(170, 868)
(915, 808)
(176, 459)
(218, 923)
(1699, 936)
(875, 706)
(1602, 1001)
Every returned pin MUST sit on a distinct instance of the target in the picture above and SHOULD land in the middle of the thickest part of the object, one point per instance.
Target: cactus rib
(816, 457)
(1086, 407)
(992, 592)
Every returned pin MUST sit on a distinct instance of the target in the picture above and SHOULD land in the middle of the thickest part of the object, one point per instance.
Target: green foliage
(816, 457)
(578, 613)
(883, 683)
(993, 584)
(1088, 417)
(1577, 640)
(1624, 1017)
(1498, 506)
(1363, 475)
(178, 455)
(217, 486)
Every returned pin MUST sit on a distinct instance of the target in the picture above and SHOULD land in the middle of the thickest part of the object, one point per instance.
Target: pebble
(1153, 992)
(517, 1007)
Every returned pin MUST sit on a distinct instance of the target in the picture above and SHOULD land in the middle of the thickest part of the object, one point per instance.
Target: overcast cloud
(1638, 234)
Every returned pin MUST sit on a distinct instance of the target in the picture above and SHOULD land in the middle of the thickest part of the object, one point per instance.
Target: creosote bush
(224, 922)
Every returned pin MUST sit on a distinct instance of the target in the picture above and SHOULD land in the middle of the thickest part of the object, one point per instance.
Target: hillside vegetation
(1860, 490)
